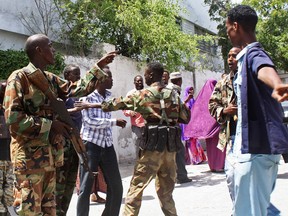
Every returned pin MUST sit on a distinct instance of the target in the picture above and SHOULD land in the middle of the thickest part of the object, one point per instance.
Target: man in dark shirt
(261, 137)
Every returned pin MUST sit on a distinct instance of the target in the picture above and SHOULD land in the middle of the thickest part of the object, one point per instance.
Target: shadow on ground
(282, 176)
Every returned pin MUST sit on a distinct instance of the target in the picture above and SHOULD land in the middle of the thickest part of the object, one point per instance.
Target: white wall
(11, 40)
(123, 71)
(9, 14)
(12, 30)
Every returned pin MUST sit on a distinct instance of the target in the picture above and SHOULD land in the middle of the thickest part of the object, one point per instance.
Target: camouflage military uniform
(6, 175)
(223, 95)
(150, 164)
(29, 118)
(6, 185)
(66, 176)
(6, 172)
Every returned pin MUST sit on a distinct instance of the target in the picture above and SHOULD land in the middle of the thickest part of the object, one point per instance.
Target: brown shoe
(96, 198)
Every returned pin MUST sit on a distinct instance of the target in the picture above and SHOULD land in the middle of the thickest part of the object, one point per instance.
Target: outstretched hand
(107, 59)
(280, 92)
(85, 105)
(81, 105)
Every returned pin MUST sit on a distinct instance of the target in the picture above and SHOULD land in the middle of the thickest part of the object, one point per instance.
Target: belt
(162, 124)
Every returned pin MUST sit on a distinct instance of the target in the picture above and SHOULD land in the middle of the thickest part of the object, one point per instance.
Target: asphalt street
(206, 195)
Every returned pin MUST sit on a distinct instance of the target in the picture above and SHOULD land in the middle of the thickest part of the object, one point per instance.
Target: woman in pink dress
(194, 153)
(203, 126)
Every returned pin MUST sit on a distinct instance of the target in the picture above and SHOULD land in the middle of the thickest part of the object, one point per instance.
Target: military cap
(175, 75)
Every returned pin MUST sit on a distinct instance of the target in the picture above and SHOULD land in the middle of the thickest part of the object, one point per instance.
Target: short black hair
(157, 69)
(69, 68)
(245, 16)
(137, 76)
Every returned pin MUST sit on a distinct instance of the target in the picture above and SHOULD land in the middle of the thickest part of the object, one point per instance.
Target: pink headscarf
(202, 125)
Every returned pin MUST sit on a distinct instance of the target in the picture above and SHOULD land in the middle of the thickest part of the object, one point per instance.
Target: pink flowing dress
(203, 126)
(194, 153)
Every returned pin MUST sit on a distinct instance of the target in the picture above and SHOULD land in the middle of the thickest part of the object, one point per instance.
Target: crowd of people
(239, 117)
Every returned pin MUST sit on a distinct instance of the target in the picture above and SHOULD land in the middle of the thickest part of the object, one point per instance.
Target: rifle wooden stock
(38, 79)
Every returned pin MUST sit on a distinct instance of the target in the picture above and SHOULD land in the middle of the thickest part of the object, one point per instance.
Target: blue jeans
(107, 160)
(254, 181)
(273, 211)
(229, 169)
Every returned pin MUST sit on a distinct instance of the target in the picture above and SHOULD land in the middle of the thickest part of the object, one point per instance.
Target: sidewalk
(206, 195)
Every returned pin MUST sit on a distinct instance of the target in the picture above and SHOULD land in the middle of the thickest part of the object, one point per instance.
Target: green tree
(153, 23)
(79, 22)
(11, 60)
(218, 11)
(272, 28)
(141, 29)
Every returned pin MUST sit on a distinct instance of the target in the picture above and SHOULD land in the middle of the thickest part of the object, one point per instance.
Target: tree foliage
(94, 21)
(79, 22)
(272, 28)
(141, 29)
(218, 11)
(11, 60)
(153, 24)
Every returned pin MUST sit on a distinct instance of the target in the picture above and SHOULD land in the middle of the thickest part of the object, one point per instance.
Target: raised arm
(269, 76)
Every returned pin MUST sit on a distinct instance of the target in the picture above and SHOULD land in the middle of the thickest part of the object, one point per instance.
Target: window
(205, 46)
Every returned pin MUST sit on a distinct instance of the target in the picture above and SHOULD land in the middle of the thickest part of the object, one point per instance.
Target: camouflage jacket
(147, 103)
(222, 95)
(29, 117)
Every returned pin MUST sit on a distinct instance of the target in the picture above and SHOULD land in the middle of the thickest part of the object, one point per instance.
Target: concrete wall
(10, 40)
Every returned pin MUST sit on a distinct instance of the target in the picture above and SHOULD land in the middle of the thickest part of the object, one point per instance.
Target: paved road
(206, 195)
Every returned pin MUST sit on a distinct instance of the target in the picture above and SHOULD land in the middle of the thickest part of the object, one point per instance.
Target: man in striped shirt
(97, 136)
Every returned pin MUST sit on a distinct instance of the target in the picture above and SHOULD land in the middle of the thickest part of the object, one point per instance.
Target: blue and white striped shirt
(96, 124)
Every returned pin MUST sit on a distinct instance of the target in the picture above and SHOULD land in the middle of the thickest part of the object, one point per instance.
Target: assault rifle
(38, 79)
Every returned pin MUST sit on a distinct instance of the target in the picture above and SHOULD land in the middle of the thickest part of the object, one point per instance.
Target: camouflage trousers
(150, 164)
(37, 193)
(66, 179)
(6, 185)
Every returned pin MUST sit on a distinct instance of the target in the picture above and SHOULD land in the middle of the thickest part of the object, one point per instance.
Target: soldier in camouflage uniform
(222, 106)
(37, 137)
(153, 163)
(6, 172)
